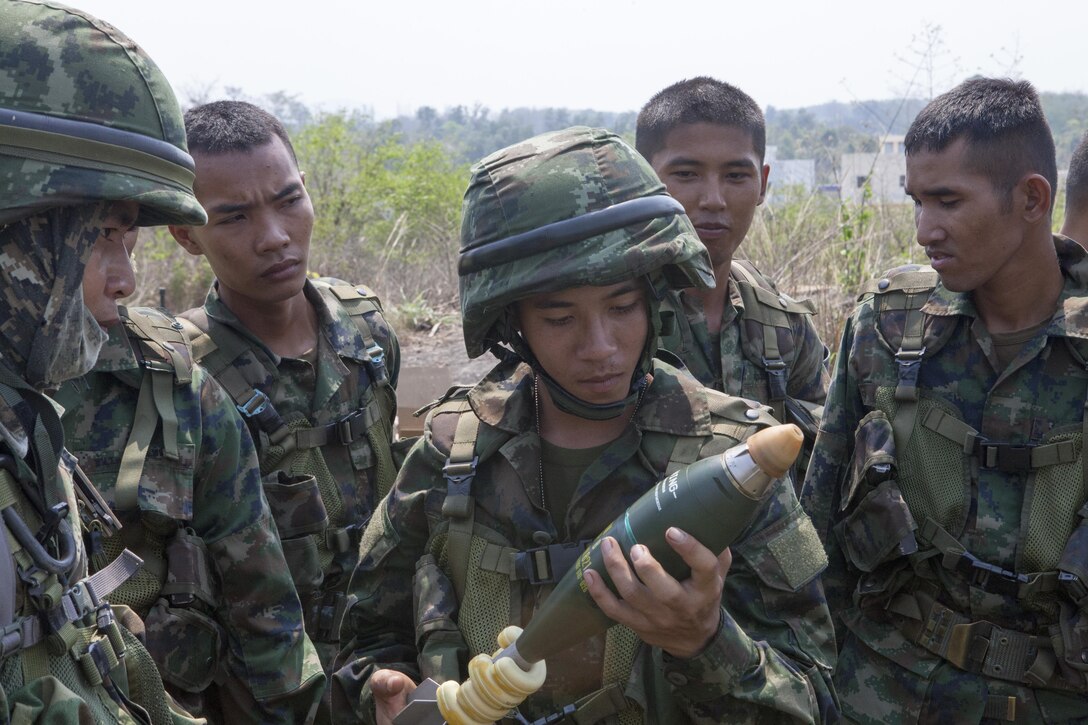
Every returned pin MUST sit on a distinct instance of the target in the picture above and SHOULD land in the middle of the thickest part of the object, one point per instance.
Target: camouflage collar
(1071, 316)
(116, 354)
(674, 403)
(332, 321)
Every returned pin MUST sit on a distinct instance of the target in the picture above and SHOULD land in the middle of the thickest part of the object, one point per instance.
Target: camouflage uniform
(561, 210)
(87, 119)
(790, 374)
(222, 618)
(772, 655)
(321, 489)
(949, 503)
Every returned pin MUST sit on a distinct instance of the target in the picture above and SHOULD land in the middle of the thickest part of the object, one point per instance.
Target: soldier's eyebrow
(228, 208)
(293, 188)
(741, 163)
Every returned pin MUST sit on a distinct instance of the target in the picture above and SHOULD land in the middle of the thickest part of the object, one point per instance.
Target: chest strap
(1006, 457)
(459, 505)
(982, 574)
(540, 565)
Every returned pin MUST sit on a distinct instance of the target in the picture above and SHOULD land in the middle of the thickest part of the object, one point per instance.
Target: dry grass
(811, 245)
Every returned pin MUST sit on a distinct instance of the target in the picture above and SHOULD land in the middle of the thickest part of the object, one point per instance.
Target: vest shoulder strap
(162, 340)
(764, 314)
(911, 335)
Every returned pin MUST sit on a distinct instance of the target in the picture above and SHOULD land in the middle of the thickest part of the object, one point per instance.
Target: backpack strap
(361, 304)
(764, 305)
(166, 358)
(459, 505)
(905, 292)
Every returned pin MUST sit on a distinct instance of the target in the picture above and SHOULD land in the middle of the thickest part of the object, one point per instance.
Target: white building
(793, 174)
(885, 172)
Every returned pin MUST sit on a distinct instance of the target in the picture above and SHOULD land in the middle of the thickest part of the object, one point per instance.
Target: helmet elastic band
(482, 255)
(30, 135)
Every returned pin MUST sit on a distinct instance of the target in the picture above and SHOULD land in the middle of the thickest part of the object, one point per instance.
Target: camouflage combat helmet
(86, 116)
(566, 209)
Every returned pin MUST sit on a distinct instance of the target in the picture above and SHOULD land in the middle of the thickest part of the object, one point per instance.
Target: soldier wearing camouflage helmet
(568, 242)
(948, 479)
(163, 443)
(91, 144)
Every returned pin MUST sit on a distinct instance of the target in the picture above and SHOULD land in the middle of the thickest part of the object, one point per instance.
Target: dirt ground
(432, 361)
(444, 348)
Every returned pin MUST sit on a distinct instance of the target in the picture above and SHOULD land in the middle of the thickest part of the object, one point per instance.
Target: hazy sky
(392, 56)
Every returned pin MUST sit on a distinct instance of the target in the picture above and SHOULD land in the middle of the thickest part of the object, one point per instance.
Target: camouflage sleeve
(828, 467)
(808, 375)
(274, 671)
(775, 650)
(379, 630)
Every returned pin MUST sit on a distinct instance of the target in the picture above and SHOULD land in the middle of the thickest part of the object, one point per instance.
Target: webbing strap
(459, 506)
(127, 488)
(81, 599)
(162, 385)
(7, 579)
(540, 565)
(596, 706)
(909, 358)
(980, 647)
(1002, 456)
(42, 584)
(758, 301)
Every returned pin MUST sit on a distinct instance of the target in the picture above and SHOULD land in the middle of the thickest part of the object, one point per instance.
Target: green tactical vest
(62, 651)
(302, 494)
(489, 576)
(922, 452)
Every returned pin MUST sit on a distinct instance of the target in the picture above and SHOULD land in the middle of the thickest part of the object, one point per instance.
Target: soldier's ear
(302, 175)
(1036, 198)
(183, 235)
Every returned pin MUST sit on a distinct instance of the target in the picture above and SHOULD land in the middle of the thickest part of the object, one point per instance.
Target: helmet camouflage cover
(566, 209)
(86, 116)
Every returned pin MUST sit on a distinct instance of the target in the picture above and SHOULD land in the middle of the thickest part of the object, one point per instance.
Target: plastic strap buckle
(255, 405)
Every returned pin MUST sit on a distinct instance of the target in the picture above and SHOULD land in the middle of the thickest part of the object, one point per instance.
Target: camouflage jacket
(321, 496)
(771, 657)
(991, 469)
(734, 366)
(228, 635)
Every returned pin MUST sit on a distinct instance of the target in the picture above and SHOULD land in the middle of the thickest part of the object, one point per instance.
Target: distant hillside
(823, 132)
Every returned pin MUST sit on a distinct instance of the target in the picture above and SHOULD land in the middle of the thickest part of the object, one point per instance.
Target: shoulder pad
(756, 288)
(442, 416)
(910, 278)
(451, 398)
(162, 342)
(194, 324)
(740, 415)
(355, 292)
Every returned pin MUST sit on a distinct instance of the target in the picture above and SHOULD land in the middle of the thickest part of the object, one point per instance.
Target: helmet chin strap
(572, 404)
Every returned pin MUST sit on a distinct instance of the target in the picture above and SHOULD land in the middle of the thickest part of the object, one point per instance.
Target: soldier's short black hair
(1003, 123)
(222, 127)
(1076, 184)
(698, 100)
